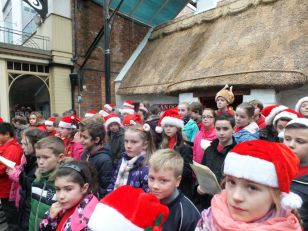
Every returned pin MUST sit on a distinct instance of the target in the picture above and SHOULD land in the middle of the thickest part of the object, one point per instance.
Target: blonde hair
(187, 105)
(55, 144)
(167, 159)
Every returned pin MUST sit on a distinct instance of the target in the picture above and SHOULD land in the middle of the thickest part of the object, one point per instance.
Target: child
(190, 127)
(128, 108)
(115, 133)
(75, 184)
(165, 173)
(215, 154)
(152, 120)
(24, 174)
(49, 153)
(223, 99)
(246, 129)
(302, 106)
(296, 138)
(257, 192)
(36, 120)
(97, 153)
(172, 124)
(9, 149)
(20, 123)
(207, 132)
(50, 125)
(258, 117)
(196, 112)
(67, 130)
(132, 168)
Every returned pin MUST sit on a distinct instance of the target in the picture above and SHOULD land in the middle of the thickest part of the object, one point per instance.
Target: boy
(97, 153)
(115, 133)
(258, 117)
(50, 125)
(196, 112)
(296, 138)
(223, 99)
(9, 149)
(49, 153)
(165, 173)
(214, 156)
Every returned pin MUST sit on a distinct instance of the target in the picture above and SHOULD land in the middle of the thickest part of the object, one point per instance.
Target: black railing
(22, 38)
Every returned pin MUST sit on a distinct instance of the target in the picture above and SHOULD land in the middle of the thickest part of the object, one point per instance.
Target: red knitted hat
(170, 117)
(112, 118)
(268, 163)
(128, 208)
(90, 113)
(69, 121)
(130, 120)
(50, 121)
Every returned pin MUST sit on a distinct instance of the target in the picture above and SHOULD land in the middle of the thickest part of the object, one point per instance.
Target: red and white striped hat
(50, 121)
(128, 209)
(112, 118)
(90, 113)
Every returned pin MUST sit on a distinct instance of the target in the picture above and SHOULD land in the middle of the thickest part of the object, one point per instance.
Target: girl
(246, 129)
(75, 184)
(190, 127)
(206, 132)
(36, 120)
(25, 174)
(302, 106)
(67, 130)
(132, 168)
(254, 201)
(172, 124)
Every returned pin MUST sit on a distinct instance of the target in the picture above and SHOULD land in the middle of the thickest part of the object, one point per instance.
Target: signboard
(40, 6)
(165, 107)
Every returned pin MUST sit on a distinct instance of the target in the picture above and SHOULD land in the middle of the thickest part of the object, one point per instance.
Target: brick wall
(87, 19)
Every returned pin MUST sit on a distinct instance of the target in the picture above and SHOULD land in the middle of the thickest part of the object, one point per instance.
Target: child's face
(4, 138)
(170, 130)
(47, 160)
(26, 146)
(280, 125)
(297, 140)
(133, 143)
(65, 132)
(194, 115)
(304, 109)
(183, 111)
(224, 131)
(207, 118)
(163, 182)
(221, 103)
(86, 140)
(114, 127)
(241, 117)
(32, 120)
(50, 128)
(68, 192)
(247, 201)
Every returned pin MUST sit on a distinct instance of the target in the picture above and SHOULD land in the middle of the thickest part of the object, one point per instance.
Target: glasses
(207, 117)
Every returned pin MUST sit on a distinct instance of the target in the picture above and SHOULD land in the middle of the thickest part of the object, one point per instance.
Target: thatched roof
(248, 44)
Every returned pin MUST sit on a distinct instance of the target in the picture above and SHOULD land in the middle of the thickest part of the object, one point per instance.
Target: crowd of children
(133, 166)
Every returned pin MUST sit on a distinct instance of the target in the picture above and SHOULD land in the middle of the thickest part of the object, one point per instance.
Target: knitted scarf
(125, 167)
(218, 218)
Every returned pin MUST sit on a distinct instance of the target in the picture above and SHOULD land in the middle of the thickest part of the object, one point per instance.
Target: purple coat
(137, 177)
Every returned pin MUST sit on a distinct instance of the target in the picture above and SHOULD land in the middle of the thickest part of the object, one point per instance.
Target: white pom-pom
(158, 129)
(146, 127)
(205, 144)
(291, 200)
(132, 122)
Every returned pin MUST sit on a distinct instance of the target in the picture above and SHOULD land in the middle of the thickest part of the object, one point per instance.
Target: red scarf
(237, 129)
(172, 142)
(65, 217)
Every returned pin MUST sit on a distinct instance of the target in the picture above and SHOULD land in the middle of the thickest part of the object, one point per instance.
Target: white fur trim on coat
(299, 103)
(172, 121)
(251, 168)
(269, 119)
(106, 218)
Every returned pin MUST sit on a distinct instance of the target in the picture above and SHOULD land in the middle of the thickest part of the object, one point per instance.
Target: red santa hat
(170, 117)
(271, 111)
(69, 121)
(288, 114)
(128, 107)
(129, 209)
(268, 163)
(90, 113)
(109, 107)
(128, 104)
(50, 121)
(103, 113)
(1, 120)
(300, 102)
(112, 118)
(130, 120)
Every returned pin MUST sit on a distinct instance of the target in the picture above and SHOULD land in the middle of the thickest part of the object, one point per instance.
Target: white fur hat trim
(269, 119)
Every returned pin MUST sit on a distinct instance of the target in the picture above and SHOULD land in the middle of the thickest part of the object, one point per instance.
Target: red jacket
(10, 150)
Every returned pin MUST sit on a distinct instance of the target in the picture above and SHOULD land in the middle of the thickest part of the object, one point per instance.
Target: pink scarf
(218, 218)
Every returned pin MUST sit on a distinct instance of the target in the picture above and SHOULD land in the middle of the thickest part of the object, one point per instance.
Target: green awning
(149, 12)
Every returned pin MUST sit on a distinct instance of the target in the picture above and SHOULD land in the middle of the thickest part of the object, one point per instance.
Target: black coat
(102, 162)
(300, 187)
(116, 144)
(268, 133)
(26, 178)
